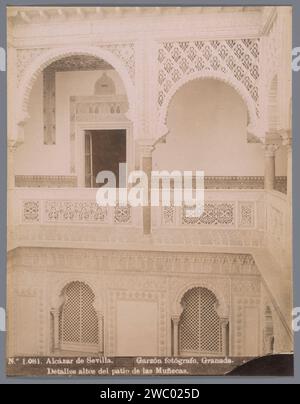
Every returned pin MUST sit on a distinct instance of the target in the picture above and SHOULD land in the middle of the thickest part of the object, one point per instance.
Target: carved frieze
(124, 51)
(140, 261)
(45, 181)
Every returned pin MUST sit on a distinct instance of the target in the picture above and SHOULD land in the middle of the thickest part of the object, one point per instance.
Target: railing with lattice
(231, 209)
(70, 206)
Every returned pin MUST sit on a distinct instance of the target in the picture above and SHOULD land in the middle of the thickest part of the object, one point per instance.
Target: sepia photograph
(149, 191)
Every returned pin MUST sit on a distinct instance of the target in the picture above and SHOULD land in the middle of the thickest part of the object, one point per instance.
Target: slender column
(146, 166)
(175, 320)
(225, 342)
(55, 314)
(270, 151)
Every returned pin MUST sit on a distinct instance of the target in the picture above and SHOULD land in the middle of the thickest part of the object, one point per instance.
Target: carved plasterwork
(272, 52)
(142, 282)
(235, 62)
(122, 214)
(74, 211)
(283, 334)
(25, 57)
(140, 261)
(91, 235)
(239, 319)
(215, 213)
(234, 182)
(57, 284)
(247, 214)
(276, 224)
(46, 181)
(49, 106)
(79, 63)
(246, 287)
(219, 286)
(168, 215)
(110, 53)
(31, 211)
(29, 285)
(125, 52)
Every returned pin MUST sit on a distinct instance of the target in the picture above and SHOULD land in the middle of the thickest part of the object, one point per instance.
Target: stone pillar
(175, 321)
(225, 339)
(146, 166)
(55, 314)
(270, 150)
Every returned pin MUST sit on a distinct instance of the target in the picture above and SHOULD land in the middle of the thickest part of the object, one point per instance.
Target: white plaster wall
(35, 158)
(281, 161)
(207, 120)
(137, 328)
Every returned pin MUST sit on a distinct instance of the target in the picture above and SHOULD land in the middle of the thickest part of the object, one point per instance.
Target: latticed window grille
(78, 321)
(200, 327)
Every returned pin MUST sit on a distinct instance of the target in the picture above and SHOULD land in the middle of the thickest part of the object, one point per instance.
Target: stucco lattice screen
(200, 328)
(78, 318)
(214, 214)
(238, 58)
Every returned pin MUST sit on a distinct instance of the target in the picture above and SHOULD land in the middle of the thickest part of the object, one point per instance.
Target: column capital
(224, 322)
(12, 145)
(146, 147)
(286, 136)
(270, 149)
(175, 319)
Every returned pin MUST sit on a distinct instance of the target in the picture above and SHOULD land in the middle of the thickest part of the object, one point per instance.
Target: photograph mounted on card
(149, 191)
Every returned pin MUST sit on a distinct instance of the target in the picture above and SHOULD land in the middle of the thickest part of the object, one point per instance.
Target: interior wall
(33, 157)
(281, 162)
(137, 331)
(207, 120)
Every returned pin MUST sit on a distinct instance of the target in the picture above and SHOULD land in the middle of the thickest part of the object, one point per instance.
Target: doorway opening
(104, 151)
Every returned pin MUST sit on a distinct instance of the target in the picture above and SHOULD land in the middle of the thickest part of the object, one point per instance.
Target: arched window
(78, 320)
(199, 328)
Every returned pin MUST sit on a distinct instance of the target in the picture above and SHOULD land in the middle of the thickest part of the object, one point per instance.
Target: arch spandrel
(50, 56)
(254, 130)
(222, 307)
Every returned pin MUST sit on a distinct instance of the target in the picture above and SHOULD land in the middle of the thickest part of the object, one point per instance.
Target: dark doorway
(104, 151)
